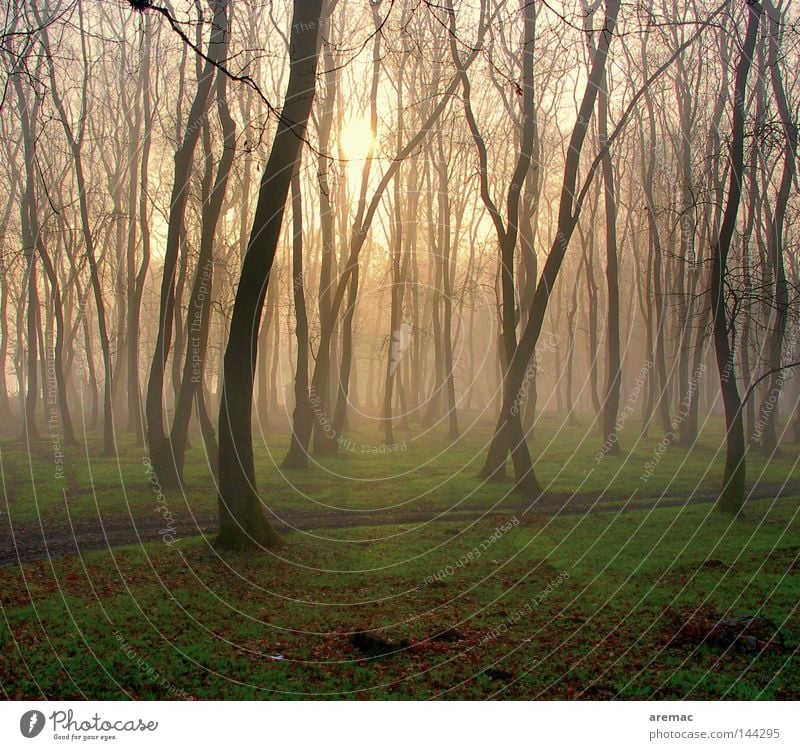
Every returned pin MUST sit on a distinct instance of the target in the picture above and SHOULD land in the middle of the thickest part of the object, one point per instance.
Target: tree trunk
(242, 520)
(200, 297)
(508, 432)
(731, 497)
(157, 440)
(75, 141)
(767, 440)
(29, 225)
(302, 416)
(613, 361)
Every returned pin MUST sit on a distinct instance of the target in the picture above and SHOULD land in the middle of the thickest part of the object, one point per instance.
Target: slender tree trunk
(571, 315)
(58, 346)
(343, 396)
(302, 416)
(133, 396)
(135, 416)
(731, 497)
(303, 419)
(5, 272)
(157, 440)
(30, 428)
(242, 520)
(508, 432)
(5, 402)
(92, 370)
(661, 382)
(200, 297)
(331, 439)
(432, 409)
(447, 343)
(75, 142)
(30, 231)
(508, 230)
(593, 348)
(613, 360)
(745, 344)
(399, 336)
(767, 440)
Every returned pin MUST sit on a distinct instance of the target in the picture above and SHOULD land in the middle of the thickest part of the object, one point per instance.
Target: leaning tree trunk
(303, 415)
(200, 297)
(157, 440)
(507, 230)
(241, 515)
(508, 434)
(731, 497)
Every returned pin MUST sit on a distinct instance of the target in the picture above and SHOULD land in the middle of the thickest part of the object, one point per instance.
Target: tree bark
(731, 496)
(75, 141)
(767, 440)
(302, 416)
(157, 440)
(508, 432)
(242, 520)
(200, 297)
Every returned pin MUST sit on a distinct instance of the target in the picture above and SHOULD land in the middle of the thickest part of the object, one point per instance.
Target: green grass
(429, 472)
(580, 606)
(585, 606)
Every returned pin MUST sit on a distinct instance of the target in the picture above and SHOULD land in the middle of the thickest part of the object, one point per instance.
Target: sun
(356, 139)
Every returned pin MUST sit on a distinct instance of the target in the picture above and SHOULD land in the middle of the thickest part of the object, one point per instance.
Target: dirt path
(31, 541)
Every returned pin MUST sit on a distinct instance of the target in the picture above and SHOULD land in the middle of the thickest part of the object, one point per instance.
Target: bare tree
(508, 435)
(242, 520)
(731, 495)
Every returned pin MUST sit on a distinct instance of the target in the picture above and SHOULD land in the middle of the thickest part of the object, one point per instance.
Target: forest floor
(28, 541)
(614, 584)
(598, 606)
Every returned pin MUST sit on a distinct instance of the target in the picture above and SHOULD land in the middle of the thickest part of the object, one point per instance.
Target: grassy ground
(511, 606)
(537, 607)
(424, 471)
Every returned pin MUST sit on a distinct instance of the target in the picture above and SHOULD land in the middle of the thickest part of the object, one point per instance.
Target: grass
(511, 605)
(580, 606)
(426, 471)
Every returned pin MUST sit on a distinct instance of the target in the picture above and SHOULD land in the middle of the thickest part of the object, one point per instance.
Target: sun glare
(356, 139)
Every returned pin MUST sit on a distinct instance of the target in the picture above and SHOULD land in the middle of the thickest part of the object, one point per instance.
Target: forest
(399, 348)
